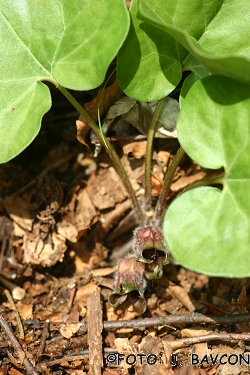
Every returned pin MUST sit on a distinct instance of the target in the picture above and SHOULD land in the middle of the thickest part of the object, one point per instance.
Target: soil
(65, 223)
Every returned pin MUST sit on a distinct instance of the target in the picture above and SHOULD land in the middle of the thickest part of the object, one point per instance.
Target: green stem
(162, 200)
(98, 112)
(204, 182)
(150, 139)
(113, 155)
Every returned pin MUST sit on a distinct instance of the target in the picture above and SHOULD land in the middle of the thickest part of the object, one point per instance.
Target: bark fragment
(95, 326)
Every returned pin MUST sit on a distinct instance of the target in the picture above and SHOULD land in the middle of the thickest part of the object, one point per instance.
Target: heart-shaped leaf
(222, 47)
(70, 43)
(206, 229)
(150, 61)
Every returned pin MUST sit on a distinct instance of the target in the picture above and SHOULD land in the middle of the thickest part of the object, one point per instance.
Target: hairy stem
(150, 138)
(113, 155)
(162, 200)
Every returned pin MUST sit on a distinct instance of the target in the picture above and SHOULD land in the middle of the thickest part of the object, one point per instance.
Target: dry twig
(45, 334)
(177, 344)
(21, 355)
(191, 318)
(16, 292)
(95, 333)
(13, 306)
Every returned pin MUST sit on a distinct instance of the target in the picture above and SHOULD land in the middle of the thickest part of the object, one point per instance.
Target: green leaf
(69, 43)
(147, 68)
(222, 47)
(187, 84)
(150, 62)
(206, 229)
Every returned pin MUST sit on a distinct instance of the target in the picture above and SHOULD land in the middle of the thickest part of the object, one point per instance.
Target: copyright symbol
(111, 358)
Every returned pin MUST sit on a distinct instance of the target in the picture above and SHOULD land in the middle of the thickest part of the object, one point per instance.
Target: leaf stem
(150, 139)
(113, 155)
(99, 103)
(204, 182)
(162, 200)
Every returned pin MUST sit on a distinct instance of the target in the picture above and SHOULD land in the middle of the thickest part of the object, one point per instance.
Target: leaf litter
(65, 217)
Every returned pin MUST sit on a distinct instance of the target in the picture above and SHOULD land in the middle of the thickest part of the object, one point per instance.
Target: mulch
(65, 223)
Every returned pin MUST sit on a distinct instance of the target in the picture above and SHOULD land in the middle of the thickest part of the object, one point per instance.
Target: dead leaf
(21, 356)
(72, 365)
(79, 217)
(37, 289)
(194, 332)
(82, 129)
(136, 149)
(67, 230)
(140, 116)
(242, 301)
(68, 330)
(168, 351)
(226, 352)
(187, 180)
(84, 292)
(106, 189)
(156, 184)
(85, 213)
(103, 271)
(29, 337)
(74, 314)
(182, 296)
(47, 254)
(18, 231)
(123, 347)
(202, 350)
(19, 211)
(153, 348)
(241, 304)
(110, 95)
(14, 371)
(134, 169)
(25, 310)
(163, 157)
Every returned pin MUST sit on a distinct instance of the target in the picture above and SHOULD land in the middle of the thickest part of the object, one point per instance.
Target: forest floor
(65, 223)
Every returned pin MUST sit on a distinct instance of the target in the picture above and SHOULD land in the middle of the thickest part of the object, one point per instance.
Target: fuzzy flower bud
(130, 285)
(150, 249)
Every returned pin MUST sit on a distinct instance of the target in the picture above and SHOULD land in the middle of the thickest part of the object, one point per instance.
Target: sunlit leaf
(70, 43)
(206, 229)
(222, 47)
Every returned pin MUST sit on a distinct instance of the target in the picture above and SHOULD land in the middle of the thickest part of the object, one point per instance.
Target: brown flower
(130, 284)
(150, 249)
